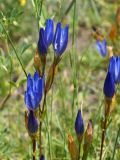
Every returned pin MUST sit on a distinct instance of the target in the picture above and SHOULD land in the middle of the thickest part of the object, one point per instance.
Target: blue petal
(79, 125)
(40, 86)
(29, 82)
(27, 100)
(114, 68)
(42, 44)
(33, 98)
(35, 81)
(117, 70)
(36, 76)
(49, 31)
(63, 40)
(34, 92)
(118, 79)
(32, 123)
(102, 47)
(109, 86)
(56, 40)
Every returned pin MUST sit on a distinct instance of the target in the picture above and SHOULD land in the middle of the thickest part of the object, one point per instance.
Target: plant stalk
(118, 133)
(34, 148)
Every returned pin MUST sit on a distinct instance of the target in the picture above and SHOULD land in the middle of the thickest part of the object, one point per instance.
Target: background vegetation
(78, 83)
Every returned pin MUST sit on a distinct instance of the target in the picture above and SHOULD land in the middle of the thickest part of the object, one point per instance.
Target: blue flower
(79, 125)
(49, 31)
(102, 47)
(46, 37)
(42, 157)
(109, 86)
(114, 68)
(60, 40)
(32, 125)
(34, 92)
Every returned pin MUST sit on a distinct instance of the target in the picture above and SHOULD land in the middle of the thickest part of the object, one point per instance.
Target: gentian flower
(60, 40)
(109, 86)
(42, 157)
(79, 125)
(102, 47)
(34, 92)
(46, 37)
(32, 125)
(114, 68)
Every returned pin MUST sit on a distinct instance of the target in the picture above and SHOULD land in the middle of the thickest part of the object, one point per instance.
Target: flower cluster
(33, 96)
(88, 135)
(47, 37)
(37, 86)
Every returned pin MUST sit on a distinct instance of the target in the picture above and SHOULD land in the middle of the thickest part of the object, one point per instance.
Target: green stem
(115, 143)
(41, 111)
(74, 15)
(34, 149)
(85, 156)
(10, 74)
(40, 132)
(49, 142)
(38, 11)
(14, 48)
(103, 137)
(68, 9)
(79, 151)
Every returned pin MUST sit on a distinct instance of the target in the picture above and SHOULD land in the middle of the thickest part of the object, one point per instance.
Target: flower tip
(42, 157)
(79, 125)
(102, 47)
(31, 123)
(109, 86)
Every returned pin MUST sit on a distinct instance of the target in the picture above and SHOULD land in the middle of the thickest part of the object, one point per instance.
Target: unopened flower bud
(79, 126)
(31, 123)
(72, 148)
(87, 139)
(42, 157)
(89, 133)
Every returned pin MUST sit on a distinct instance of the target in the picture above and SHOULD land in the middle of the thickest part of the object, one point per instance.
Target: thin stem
(41, 111)
(40, 132)
(74, 15)
(73, 64)
(68, 9)
(79, 151)
(41, 8)
(34, 149)
(49, 142)
(38, 11)
(115, 143)
(103, 137)
(14, 48)
(85, 156)
(44, 103)
(10, 74)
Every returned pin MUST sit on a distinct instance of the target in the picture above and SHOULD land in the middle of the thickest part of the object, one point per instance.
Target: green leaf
(25, 47)
(4, 67)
